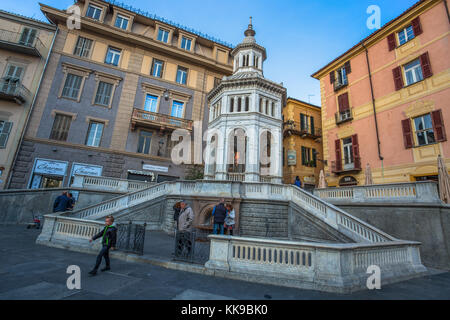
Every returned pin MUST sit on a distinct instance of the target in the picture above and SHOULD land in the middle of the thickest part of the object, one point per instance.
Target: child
(229, 219)
(109, 236)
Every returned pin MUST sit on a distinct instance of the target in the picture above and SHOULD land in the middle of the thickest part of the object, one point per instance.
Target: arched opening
(265, 152)
(247, 103)
(237, 151)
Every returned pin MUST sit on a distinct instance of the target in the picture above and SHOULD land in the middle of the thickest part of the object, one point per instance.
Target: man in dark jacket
(109, 236)
(61, 203)
(219, 213)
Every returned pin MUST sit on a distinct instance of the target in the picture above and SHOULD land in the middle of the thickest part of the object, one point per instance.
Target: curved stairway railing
(352, 227)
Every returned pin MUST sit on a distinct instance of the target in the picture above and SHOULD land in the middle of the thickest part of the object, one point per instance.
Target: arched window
(239, 108)
(273, 109)
(231, 104)
(260, 105)
(247, 103)
(267, 107)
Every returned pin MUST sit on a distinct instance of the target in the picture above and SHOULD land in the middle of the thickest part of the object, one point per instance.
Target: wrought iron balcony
(344, 116)
(344, 169)
(292, 127)
(13, 41)
(14, 91)
(149, 119)
(339, 85)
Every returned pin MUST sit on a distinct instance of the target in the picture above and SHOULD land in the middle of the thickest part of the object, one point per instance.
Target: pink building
(385, 102)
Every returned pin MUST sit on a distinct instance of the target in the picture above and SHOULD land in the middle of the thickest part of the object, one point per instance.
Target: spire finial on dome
(250, 32)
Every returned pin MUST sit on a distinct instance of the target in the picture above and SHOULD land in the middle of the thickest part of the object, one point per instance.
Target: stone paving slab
(30, 271)
(199, 295)
(38, 291)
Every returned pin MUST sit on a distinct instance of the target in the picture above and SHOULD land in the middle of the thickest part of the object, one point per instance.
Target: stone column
(252, 156)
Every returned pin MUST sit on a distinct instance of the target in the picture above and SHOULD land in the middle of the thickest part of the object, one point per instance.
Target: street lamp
(166, 95)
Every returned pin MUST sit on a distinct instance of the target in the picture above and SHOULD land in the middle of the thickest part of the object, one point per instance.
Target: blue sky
(301, 36)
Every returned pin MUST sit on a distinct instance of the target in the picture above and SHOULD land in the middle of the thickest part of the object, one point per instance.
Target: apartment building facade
(24, 47)
(302, 143)
(385, 101)
(113, 94)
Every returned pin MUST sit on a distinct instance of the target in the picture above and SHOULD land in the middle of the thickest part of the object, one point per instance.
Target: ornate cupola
(248, 55)
(244, 141)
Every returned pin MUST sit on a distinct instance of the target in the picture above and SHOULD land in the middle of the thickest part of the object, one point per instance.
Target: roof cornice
(60, 16)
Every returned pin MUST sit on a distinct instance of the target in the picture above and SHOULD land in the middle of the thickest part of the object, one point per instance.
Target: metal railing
(305, 131)
(14, 90)
(343, 116)
(160, 120)
(15, 38)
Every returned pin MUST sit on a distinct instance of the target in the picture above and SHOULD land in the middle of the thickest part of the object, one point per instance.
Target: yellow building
(302, 143)
(24, 46)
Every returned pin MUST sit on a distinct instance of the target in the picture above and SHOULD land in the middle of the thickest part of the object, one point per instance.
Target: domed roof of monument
(249, 42)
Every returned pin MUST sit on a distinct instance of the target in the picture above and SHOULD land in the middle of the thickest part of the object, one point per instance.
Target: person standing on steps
(61, 203)
(186, 218)
(230, 219)
(219, 213)
(176, 214)
(109, 236)
(298, 182)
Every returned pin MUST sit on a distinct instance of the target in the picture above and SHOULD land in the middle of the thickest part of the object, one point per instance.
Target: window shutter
(355, 147)
(332, 77)
(398, 79)
(312, 125)
(391, 42)
(337, 145)
(438, 126)
(4, 134)
(302, 122)
(407, 133)
(343, 102)
(303, 156)
(426, 66)
(348, 68)
(417, 27)
(314, 158)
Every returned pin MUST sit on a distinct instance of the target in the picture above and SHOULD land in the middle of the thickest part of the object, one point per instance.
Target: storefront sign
(348, 181)
(53, 167)
(155, 168)
(86, 170)
(292, 157)
(309, 180)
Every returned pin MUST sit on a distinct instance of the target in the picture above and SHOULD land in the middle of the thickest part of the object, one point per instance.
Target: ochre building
(302, 143)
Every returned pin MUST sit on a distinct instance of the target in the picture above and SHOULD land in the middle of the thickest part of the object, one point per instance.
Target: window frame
(71, 89)
(186, 71)
(152, 69)
(404, 31)
(90, 5)
(417, 67)
(56, 131)
(111, 49)
(123, 18)
(3, 132)
(91, 122)
(111, 93)
(83, 48)
(186, 40)
(158, 99)
(150, 137)
(164, 32)
(424, 131)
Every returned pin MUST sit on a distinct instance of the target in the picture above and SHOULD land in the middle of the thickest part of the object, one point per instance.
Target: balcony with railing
(346, 168)
(15, 41)
(305, 131)
(344, 116)
(155, 120)
(13, 90)
(339, 84)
